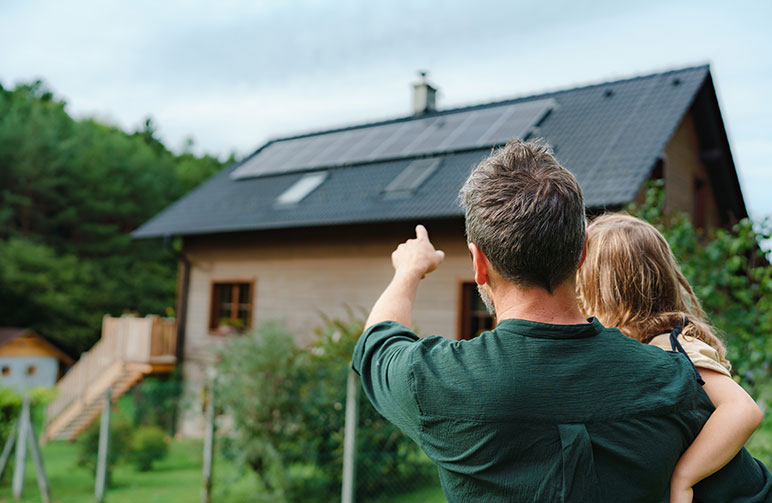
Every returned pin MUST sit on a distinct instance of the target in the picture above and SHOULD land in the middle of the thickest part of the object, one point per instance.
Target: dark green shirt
(554, 413)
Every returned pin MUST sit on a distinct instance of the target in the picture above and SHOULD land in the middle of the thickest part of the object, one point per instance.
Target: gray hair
(526, 213)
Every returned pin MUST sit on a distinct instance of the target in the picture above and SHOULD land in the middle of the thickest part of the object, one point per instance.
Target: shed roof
(8, 334)
(608, 135)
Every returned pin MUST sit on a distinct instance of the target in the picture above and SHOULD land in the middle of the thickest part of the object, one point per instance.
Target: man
(548, 406)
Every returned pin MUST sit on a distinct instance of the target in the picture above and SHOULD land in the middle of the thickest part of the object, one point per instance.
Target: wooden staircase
(130, 349)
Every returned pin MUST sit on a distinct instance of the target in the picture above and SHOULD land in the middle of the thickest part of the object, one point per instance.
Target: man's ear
(480, 264)
(584, 251)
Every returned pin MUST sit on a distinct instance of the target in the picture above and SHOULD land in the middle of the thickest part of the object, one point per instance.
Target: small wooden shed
(27, 360)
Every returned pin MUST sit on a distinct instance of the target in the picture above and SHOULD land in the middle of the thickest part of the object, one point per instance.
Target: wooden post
(43, 485)
(348, 490)
(7, 450)
(21, 450)
(206, 490)
(104, 446)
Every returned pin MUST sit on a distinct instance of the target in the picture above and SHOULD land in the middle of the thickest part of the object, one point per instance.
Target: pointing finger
(420, 232)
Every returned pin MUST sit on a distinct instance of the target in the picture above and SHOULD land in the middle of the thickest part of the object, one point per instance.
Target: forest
(71, 191)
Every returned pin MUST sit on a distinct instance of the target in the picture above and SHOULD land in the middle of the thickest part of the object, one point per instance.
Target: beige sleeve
(702, 355)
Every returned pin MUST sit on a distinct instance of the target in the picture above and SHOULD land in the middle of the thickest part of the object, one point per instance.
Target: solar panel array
(462, 130)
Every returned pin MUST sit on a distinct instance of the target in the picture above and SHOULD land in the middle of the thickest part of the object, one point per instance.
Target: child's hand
(681, 494)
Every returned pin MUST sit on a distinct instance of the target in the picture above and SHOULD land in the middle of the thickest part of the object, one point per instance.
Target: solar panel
(453, 131)
(372, 140)
(403, 137)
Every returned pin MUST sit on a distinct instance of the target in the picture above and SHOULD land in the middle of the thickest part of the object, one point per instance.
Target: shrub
(157, 401)
(148, 444)
(10, 405)
(118, 445)
(10, 408)
(288, 411)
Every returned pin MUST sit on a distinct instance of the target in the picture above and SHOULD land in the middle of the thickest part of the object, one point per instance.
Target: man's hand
(412, 260)
(417, 256)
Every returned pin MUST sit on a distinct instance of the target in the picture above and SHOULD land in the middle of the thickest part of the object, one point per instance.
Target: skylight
(300, 189)
(416, 173)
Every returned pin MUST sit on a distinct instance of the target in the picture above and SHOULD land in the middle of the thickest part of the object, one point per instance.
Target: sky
(229, 75)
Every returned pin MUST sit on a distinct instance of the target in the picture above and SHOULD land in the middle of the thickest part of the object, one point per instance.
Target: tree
(70, 193)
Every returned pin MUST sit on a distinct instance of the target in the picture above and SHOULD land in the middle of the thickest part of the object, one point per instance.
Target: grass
(177, 478)
(174, 479)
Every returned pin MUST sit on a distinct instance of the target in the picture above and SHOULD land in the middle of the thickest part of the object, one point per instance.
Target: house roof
(608, 135)
(8, 334)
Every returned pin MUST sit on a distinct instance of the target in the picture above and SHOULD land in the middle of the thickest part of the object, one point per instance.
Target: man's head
(525, 212)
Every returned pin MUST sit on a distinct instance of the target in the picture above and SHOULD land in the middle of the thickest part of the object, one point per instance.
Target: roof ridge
(471, 106)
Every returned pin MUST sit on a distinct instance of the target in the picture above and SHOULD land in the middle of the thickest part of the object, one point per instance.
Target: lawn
(178, 477)
(174, 479)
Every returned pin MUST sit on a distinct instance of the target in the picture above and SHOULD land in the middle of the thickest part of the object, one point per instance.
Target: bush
(118, 442)
(157, 401)
(10, 408)
(10, 405)
(148, 444)
(288, 411)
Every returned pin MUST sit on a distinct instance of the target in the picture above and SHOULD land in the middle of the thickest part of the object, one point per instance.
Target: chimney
(423, 96)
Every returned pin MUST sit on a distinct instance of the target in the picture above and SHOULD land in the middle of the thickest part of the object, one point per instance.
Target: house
(306, 224)
(28, 361)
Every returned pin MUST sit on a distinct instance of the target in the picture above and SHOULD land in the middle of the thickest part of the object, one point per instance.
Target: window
(6, 370)
(300, 189)
(231, 309)
(411, 178)
(474, 317)
(31, 370)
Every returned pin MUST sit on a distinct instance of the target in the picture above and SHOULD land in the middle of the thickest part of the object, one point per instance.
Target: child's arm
(725, 432)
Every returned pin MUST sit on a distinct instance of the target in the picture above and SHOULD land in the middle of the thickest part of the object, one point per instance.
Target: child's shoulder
(700, 353)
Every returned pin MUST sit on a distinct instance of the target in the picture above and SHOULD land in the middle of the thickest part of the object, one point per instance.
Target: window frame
(467, 290)
(214, 326)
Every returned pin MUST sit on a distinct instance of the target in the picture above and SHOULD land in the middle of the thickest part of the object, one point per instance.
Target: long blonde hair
(630, 279)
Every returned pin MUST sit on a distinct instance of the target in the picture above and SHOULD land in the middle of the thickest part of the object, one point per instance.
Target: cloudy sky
(231, 74)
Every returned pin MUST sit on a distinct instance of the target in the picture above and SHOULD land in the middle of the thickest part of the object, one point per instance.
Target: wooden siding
(682, 168)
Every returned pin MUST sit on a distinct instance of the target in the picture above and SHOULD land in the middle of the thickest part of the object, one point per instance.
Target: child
(630, 280)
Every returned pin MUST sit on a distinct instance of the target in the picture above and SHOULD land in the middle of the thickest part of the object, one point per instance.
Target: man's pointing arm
(412, 260)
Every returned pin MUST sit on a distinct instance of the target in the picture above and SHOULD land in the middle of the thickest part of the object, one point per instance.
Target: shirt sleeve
(743, 479)
(701, 354)
(383, 357)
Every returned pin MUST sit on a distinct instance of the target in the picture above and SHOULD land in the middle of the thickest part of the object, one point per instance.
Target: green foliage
(10, 404)
(10, 408)
(148, 444)
(70, 192)
(157, 401)
(119, 442)
(732, 279)
(288, 409)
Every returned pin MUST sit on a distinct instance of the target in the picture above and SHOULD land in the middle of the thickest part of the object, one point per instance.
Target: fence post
(37, 458)
(350, 438)
(206, 490)
(8, 448)
(102, 453)
(21, 450)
